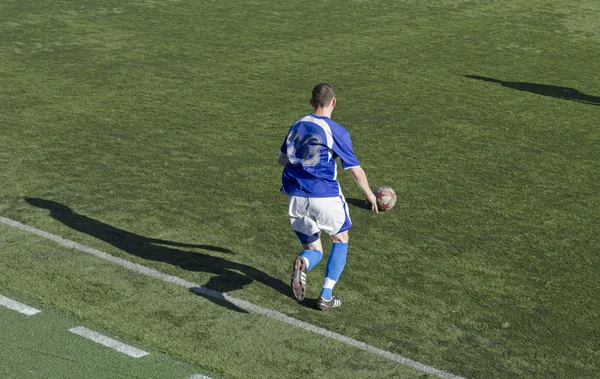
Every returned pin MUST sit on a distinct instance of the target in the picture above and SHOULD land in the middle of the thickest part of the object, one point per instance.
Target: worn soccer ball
(386, 198)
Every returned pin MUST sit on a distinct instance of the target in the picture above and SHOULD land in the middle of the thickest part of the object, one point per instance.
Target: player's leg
(304, 262)
(336, 221)
(312, 250)
(306, 229)
(335, 263)
(309, 235)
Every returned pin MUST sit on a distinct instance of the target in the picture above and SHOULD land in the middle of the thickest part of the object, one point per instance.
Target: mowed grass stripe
(238, 302)
(44, 347)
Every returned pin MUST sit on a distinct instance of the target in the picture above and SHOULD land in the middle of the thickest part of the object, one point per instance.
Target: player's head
(323, 95)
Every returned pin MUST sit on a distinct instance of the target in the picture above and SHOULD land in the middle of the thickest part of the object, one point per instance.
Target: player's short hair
(322, 94)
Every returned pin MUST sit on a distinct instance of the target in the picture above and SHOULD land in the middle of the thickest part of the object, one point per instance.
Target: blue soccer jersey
(312, 145)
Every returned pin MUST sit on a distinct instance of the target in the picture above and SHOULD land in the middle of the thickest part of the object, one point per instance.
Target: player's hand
(372, 201)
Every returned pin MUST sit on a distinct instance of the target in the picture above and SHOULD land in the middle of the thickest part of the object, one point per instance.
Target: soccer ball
(386, 198)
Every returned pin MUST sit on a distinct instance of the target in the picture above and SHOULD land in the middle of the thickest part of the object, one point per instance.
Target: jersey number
(304, 150)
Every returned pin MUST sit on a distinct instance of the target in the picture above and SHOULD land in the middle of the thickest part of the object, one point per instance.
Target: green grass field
(150, 130)
(42, 346)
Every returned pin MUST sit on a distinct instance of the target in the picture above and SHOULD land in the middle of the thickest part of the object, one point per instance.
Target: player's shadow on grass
(229, 276)
(565, 93)
(360, 203)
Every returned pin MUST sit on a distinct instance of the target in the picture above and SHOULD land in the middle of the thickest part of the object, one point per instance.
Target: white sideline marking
(16, 306)
(198, 376)
(108, 342)
(238, 302)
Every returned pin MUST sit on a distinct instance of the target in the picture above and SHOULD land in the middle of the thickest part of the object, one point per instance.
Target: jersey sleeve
(343, 148)
(283, 148)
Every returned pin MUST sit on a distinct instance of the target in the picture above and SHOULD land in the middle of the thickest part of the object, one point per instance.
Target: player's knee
(306, 239)
(342, 237)
(316, 245)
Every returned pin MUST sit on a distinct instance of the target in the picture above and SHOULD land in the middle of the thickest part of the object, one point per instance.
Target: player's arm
(282, 159)
(343, 148)
(360, 178)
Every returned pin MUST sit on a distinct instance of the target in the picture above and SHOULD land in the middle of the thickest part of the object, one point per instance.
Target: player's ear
(312, 103)
(333, 102)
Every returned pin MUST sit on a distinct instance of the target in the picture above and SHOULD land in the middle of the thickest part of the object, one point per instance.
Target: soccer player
(315, 200)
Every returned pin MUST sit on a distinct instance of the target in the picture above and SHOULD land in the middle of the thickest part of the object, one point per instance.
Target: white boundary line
(108, 342)
(16, 306)
(238, 302)
(198, 376)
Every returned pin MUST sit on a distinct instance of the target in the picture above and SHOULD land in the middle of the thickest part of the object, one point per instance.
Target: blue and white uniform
(309, 178)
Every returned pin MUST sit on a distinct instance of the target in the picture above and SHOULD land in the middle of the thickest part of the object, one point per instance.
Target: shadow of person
(565, 93)
(360, 203)
(229, 276)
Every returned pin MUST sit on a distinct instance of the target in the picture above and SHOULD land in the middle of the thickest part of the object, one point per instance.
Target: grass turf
(42, 346)
(162, 121)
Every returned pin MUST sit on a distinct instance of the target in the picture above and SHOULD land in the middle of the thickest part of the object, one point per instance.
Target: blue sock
(335, 266)
(313, 256)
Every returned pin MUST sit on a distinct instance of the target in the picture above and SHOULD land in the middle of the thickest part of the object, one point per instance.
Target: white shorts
(310, 215)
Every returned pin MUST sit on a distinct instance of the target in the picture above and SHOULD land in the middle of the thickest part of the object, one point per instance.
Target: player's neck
(323, 112)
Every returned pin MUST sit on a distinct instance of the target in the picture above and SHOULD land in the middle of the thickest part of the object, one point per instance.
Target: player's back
(311, 147)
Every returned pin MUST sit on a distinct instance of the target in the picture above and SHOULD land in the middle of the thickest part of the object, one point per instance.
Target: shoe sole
(299, 285)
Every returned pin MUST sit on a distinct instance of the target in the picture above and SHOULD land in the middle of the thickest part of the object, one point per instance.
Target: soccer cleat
(326, 305)
(299, 279)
